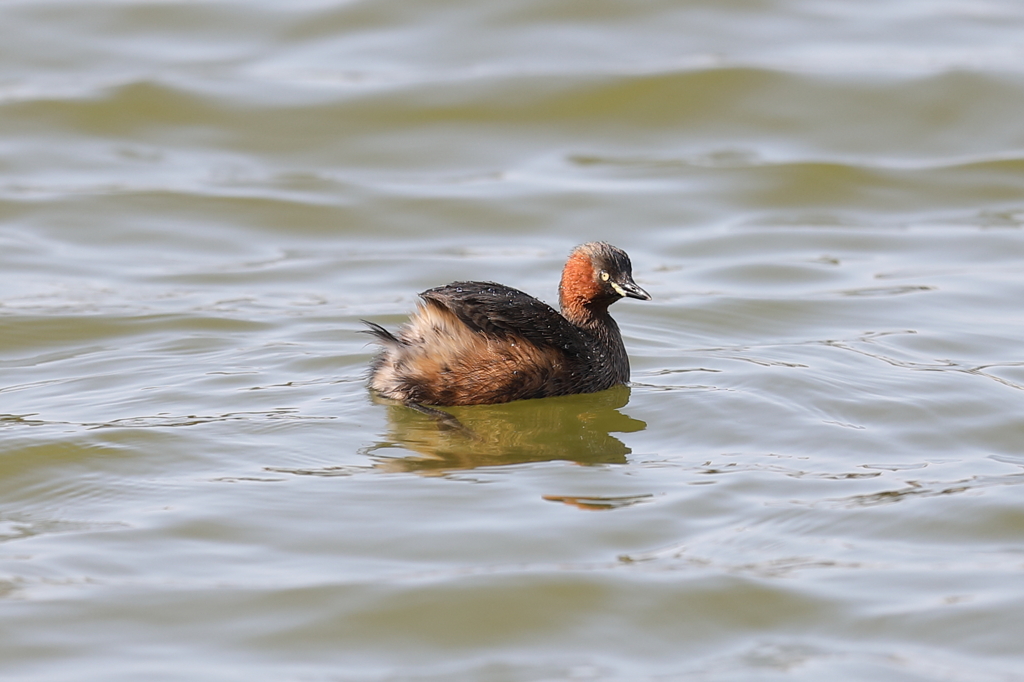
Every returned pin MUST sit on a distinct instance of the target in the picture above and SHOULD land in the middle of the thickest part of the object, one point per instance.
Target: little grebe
(476, 343)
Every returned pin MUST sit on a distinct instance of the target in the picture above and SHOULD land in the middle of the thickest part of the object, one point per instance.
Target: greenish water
(812, 475)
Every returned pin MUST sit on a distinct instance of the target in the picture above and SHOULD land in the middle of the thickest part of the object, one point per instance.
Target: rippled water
(814, 473)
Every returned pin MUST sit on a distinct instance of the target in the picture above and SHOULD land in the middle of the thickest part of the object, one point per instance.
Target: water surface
(813, 473)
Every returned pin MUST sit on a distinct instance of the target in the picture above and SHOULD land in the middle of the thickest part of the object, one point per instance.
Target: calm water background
(815, 474)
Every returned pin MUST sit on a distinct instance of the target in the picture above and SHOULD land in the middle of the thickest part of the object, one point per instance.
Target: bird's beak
(628, 288)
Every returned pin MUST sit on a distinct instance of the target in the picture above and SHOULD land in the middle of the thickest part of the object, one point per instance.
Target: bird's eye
(605, 276)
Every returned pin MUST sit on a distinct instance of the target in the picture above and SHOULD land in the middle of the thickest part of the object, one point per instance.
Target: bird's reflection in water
(575, 428)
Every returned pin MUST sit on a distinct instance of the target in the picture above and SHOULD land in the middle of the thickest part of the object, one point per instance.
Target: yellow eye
(604, 276)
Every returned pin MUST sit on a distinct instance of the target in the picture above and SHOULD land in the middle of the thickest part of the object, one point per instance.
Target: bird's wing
(502, 311)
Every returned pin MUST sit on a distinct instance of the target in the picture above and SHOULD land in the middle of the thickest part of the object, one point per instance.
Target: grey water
(812, 474)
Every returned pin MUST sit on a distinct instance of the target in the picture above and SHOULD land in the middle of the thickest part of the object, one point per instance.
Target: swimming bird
(475, 343)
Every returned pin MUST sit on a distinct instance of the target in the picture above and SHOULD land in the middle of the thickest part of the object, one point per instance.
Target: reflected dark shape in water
(574, 428)
(599, 503)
